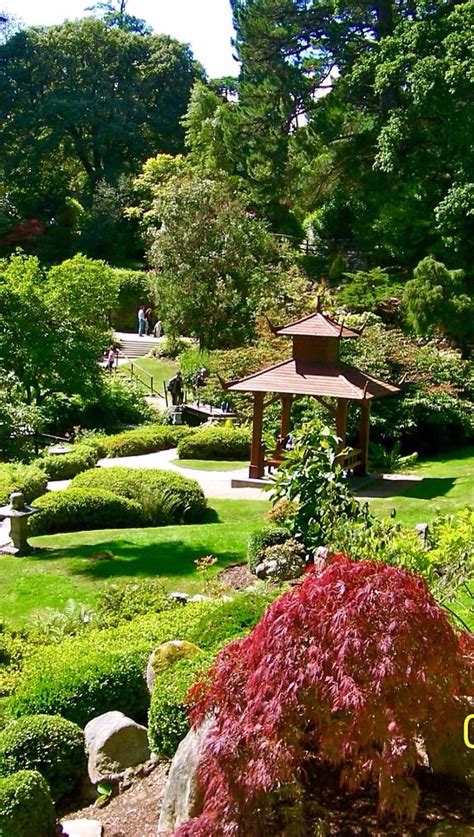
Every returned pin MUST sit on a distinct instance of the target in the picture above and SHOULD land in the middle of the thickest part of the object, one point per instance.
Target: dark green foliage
(134, 290)
(113, 404)
(47, 743)
(164, 497)
(25, 803)
(147, 439)
(216, 443)
(30, 479)
(79, 509)
(65, 466)
(168, 717)
(259, 541)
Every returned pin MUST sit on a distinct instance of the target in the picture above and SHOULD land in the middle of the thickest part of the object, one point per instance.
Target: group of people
(145, 323)
(176, 386)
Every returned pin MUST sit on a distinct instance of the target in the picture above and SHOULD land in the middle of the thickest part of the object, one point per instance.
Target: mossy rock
(165, 656)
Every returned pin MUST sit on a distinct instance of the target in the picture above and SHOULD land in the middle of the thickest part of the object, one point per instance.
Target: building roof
(335, 380)
(316, 325)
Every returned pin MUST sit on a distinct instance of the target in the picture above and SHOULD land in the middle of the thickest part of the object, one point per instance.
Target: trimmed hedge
(30, 479)
(80, 509)
(149, 438)
(164, 496)
(216, 443)
(87, 675)
(168, 717)
(46, 743)
(65, 466)
(26, 807)
(261, 540)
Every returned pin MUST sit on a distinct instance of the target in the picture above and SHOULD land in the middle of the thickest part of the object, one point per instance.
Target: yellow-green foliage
(170, 652)
(26, 807)
(149, 438)
(453, 536)
(30, 479)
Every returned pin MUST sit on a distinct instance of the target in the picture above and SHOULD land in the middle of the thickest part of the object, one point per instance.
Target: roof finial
(318, 305)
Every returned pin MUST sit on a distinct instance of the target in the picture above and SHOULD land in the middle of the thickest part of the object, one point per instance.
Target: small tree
(348, 669)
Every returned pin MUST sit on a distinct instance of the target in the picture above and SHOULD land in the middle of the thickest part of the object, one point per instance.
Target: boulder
(453, 757)
(114, 743)
(182, 798)
(165, 655)
(82, 828)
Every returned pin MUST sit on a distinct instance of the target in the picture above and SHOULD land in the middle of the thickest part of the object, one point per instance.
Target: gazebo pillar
(341, 421)
(364, 432)
(256, 469)
(285, 420)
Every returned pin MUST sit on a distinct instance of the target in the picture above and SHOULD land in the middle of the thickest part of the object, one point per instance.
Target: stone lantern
(18, 513)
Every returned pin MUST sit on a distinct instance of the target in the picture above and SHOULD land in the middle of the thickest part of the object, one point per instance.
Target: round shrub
(29, 479)
(258, 542)
(166, 655)
(216, 443)
(165, 497)
(126, 600)
(26, 806)
(282, 561)
(65, 466)
(79, 509)
(168, 717)
(149, 438)
(47, 743)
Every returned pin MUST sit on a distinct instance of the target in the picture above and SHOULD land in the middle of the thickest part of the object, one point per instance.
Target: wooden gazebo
(314, 369)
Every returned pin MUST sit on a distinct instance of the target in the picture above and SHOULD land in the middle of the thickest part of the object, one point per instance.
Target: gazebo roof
(316, 325)
(332, 379)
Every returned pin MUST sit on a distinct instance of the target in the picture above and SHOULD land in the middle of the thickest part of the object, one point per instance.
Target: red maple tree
(349, 668)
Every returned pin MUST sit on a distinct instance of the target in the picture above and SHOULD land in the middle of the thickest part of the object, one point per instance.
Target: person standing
(158, 329)
(141, 321)
(175, 388)
(148, 319)
(111, 358)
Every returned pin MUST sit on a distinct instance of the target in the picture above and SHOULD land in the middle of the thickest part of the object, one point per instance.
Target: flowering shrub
(348, 668)
(282, 561)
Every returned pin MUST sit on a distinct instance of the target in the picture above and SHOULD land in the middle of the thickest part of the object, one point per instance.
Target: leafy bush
(344, 669)
(46, 743)
(80, 509)
(216, 443)
(284, 561)
(259, 541)
(117, 403)
(149, 438)
(25, 802)
(134, 289)
(168, 717)
(165, 497)
(126, 600)
(65, 466)
(30, 479)
(103, 670)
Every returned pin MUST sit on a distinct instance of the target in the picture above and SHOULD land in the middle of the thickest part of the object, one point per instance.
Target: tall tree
(114, 14)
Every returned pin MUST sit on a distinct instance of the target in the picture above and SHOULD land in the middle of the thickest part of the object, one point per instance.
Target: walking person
(176, 389)
(111, 358)
(141, 321)
(148, 320)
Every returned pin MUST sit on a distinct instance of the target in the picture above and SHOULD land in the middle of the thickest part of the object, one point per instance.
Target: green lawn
(64, 570)
(210, 464)
(447, 485)
(161, 370)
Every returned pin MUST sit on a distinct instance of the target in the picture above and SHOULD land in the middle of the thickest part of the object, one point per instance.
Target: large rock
(182, 799)
(454, 758)
(165, 655)
(114, 743)
(82, 828)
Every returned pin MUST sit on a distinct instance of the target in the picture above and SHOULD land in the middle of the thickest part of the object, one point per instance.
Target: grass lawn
(161, 370)
(210, 464)
(64, 570)
(448, 484)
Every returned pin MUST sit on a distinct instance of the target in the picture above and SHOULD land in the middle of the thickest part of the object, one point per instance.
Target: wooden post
(256, 468)
(341, 421)
(285, 419)
(364, 430)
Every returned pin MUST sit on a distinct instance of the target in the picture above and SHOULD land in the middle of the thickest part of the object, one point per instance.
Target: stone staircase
(132, 346)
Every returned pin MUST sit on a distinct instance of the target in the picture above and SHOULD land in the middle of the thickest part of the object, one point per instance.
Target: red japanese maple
(349, 667)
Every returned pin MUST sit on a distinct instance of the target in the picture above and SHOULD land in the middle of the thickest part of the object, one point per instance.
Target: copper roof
(317, 325)
(296, 377)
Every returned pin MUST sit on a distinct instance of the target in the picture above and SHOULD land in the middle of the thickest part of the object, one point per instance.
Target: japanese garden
(237, 423)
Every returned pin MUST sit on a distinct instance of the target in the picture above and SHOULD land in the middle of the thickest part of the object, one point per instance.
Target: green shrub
(216, 443)
(164, 496)
(46, 743)
(168, 718)
(65, 466)
(149, 438)
(134, 288)
(125, 601)
(103, 670)
(26, 807)
(259, 541)
(79, 509)
(30, 479)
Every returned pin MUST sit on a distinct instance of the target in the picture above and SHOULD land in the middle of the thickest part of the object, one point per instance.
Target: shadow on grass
(429, 488)
(171, 558)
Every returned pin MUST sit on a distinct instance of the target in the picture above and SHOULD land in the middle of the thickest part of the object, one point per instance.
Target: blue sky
(205, 24)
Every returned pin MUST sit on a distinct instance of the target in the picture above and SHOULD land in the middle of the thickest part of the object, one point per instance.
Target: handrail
(150, 385)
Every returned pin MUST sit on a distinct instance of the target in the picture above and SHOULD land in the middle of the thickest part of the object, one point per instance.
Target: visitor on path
(158, 329)
(149, 320)
(141, 321)
(175, 388)
(111, 358)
